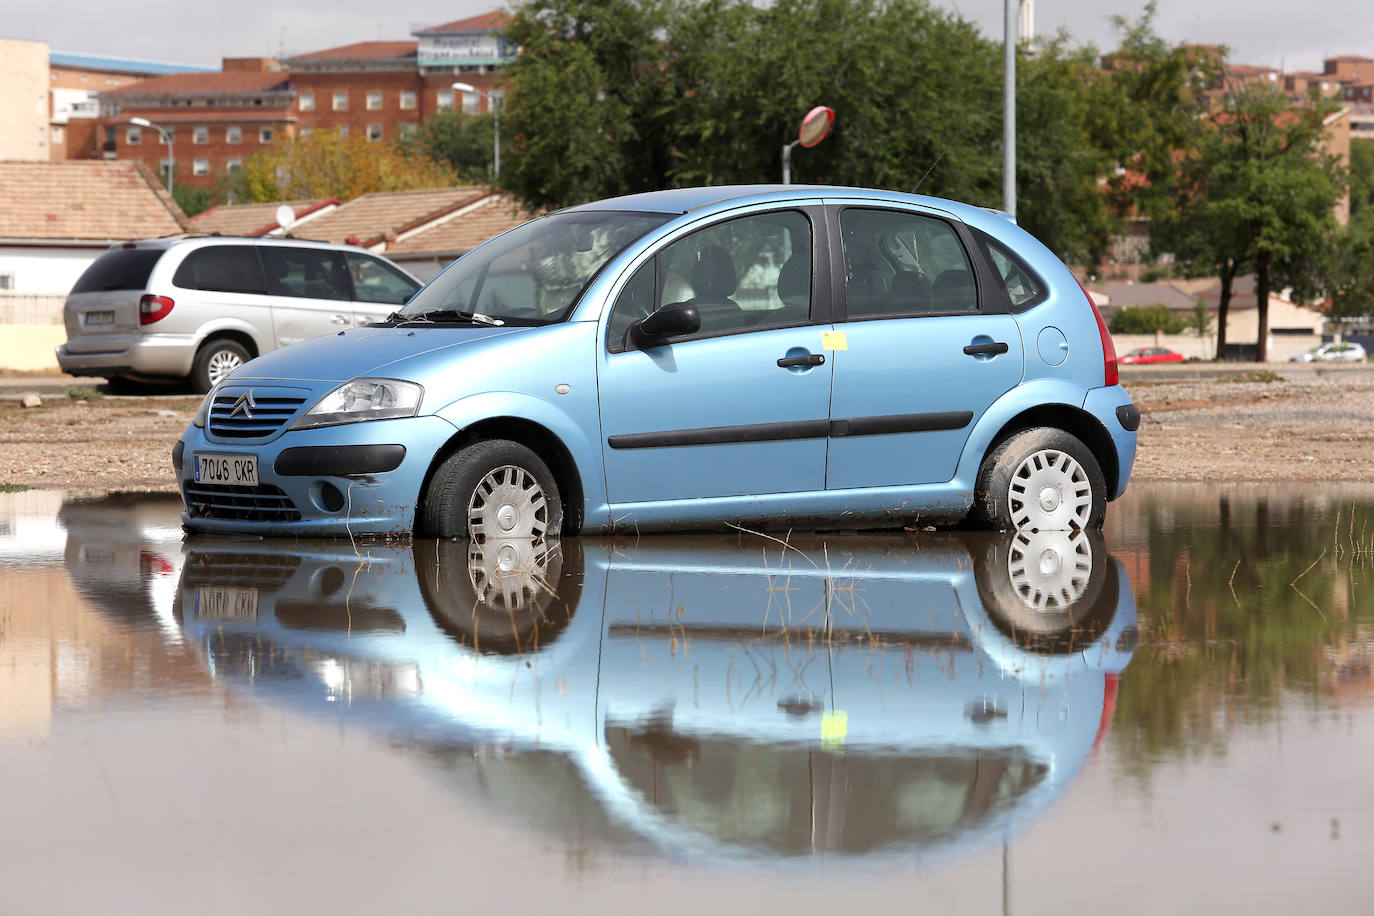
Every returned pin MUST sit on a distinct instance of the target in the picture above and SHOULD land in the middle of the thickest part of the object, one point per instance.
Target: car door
(378, 288)
(310, 289)
(927, 346)
(741, 406)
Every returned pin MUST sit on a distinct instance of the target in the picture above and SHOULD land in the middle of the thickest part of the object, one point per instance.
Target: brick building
(381, 90)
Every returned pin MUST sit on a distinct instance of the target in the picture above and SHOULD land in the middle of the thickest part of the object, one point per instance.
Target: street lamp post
(496, 132)
(167, 138)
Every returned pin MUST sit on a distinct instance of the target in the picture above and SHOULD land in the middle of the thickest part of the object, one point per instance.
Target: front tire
(493, 489)
(1040, 479)
(215, 360)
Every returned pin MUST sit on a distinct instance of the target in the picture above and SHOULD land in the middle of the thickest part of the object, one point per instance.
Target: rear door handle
(987, 349)
(810, 359)
(341, 319)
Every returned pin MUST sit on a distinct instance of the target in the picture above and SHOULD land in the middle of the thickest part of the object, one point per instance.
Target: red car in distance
(1152, 355)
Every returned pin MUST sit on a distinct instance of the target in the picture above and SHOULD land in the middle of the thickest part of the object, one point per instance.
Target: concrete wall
(23, 99)
(1281, 346)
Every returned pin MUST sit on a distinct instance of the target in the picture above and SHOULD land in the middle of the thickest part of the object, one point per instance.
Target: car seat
(954, 291)
(910, 292)
(713, 280)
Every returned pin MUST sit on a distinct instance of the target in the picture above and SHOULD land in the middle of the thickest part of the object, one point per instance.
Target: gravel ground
(1308, 428)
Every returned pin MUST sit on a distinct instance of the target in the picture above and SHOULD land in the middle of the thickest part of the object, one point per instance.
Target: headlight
(364, 399)
(203, 411)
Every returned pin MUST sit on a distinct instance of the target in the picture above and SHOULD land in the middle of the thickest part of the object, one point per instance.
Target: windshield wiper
(435, 315)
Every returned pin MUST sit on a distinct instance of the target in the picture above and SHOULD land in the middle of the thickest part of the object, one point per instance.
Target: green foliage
(1200, 322)
(84, 394)
(464, 142)
(1146, 319)
(12, 488)
(193, 200)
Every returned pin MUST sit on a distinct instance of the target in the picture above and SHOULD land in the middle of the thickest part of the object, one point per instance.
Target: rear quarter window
(1024, 288)
(122, 268)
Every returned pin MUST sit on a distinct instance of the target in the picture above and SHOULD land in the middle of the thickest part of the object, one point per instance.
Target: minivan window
(221, 269)
(535, 273)
(310, 273)
(376, 281)
(122, 268)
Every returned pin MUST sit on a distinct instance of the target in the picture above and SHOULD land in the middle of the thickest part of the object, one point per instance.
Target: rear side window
(309, 273)
(221, 269)
(1023, 287)
(122, 268)
(377, 281)
(900, 264)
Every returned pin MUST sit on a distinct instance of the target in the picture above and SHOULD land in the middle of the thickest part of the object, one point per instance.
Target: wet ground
(1178, 715)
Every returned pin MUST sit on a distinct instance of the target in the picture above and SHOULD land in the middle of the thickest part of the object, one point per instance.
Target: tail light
(154, 308)
(1113, 377)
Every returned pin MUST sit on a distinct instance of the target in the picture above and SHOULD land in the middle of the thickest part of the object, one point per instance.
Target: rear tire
(493, 489)
(216, 359)
(1040, 479)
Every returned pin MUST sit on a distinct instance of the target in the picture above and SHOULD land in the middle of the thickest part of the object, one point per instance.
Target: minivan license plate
(229, 470)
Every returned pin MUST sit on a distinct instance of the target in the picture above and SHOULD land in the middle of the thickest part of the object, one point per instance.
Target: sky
(1278, 33)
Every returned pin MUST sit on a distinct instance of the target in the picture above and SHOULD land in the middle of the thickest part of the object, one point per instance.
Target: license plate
(230, 470)
(227, 603)
(100, 319)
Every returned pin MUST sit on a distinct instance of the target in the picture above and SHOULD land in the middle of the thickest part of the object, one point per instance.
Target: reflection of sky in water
(1233, 773)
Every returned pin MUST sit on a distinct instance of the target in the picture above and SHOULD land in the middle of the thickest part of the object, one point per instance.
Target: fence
(31, 308)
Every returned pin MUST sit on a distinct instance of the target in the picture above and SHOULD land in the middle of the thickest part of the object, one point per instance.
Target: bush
(1146, 319)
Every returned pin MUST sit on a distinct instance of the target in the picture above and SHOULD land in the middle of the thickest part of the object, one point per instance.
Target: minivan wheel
(493, 489)
(1040, 479)
(216, 359)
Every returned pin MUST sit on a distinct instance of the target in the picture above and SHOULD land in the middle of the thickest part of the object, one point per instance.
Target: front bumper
(376, 470)
(149, 354)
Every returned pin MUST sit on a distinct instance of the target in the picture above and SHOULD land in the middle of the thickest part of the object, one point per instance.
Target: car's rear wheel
(493, 489)
(216, 359)
(1040, 479)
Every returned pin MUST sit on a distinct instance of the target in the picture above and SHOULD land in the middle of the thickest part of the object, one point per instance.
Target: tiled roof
(373, 217)
(362, 50)
(253, 219)
(487, 22)
(84, 199)
(1122, 294)
(464, 233)
(1351, 57)
(235, 82)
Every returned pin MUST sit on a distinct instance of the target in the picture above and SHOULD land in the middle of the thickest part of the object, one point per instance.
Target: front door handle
(810, 359)
(987, 349)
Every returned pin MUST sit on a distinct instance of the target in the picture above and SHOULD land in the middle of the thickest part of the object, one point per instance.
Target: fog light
(328, 497)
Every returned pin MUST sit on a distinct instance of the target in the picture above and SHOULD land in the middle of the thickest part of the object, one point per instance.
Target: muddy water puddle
(1174, 714)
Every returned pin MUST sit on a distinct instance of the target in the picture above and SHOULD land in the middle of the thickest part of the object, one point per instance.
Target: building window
(374, 101)
(307, 101)
(167, 133)
(264, 135)
(472, 103)
(307, 131)
(341, 101)
(374, 131)
(445, 100)
(233, 134)
(59, 135)
(7, 281)
(407, 100)
(234, 165)
(200, 135)
(200, 167)
(133, 136)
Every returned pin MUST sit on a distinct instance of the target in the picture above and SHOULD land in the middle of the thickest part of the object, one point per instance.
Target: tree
(328, 165)
(463, 141)
(1145, 319)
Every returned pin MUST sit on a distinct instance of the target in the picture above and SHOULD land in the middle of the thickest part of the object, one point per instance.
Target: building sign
(440, 50)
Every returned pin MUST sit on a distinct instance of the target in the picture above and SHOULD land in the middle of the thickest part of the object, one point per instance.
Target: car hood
(360, 351)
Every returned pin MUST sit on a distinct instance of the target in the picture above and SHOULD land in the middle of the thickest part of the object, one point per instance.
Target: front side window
(309, 273)
(751, 272)
(377, 281)
(535, 273)
(221, 268)
(903, 264)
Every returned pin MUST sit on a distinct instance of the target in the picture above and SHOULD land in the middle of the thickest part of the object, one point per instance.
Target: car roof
(170, 241)
(685, 200)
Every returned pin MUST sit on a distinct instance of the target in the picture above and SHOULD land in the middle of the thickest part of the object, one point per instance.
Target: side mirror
(672, 320)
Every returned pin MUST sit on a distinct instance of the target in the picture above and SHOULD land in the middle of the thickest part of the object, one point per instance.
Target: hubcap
(221, 364)
(508, 503)
(511, 574)
(1050, 569)
(1050, 491)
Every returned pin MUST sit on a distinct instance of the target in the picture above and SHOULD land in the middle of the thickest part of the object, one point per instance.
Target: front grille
(265, 571)
(268, 411)
(263, 503)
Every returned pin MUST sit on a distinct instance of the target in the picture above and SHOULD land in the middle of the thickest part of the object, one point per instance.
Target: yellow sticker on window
(833, 340)
(834, 729)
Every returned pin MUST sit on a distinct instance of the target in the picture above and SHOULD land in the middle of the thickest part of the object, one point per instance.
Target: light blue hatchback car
(764, 356)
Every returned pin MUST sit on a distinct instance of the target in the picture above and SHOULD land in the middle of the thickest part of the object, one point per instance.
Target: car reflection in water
(718, 697)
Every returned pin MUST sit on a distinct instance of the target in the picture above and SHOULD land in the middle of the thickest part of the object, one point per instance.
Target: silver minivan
(198, 308)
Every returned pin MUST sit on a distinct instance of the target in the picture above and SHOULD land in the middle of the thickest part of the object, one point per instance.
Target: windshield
(535, 273)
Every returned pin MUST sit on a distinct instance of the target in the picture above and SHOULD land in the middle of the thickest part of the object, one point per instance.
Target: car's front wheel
(1040, 479)
(493, 489)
